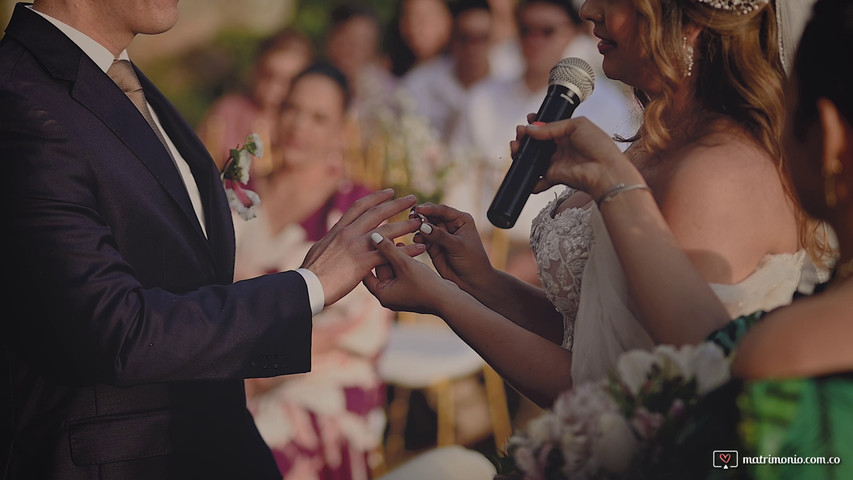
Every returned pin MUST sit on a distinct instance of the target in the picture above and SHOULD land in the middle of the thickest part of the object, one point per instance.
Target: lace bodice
(561, 243)
(607, 325)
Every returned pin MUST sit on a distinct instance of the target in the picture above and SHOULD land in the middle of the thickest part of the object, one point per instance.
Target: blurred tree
(313, 15)
(194, 78)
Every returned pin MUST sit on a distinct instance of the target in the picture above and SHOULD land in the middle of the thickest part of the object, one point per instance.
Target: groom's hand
(346, 254)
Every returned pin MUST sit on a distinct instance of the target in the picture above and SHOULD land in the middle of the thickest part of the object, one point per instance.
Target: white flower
(254, 145)
(633, 369)
(674, 363)
(243, 200)
(244, 163)
(616, 445)
(524, 458)
(710, 367)
(545, 428)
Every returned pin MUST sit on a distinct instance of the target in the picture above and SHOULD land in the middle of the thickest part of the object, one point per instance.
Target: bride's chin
(611, 70)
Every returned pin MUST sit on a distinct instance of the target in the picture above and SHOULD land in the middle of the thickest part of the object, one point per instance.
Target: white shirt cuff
(316, 296)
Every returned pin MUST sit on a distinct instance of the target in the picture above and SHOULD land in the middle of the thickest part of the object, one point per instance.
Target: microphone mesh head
(576, 72)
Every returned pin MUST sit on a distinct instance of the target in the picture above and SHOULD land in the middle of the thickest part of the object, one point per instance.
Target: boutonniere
(235, 177)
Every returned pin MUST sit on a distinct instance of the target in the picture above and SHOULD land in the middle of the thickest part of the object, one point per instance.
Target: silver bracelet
(620, 188)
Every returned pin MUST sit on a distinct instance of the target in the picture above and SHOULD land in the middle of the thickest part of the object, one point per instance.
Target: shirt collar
(99, 54)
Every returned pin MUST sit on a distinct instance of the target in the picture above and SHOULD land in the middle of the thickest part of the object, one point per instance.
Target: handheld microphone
(570, 82)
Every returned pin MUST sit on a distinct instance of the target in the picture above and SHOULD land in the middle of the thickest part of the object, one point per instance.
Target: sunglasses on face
(471, 38)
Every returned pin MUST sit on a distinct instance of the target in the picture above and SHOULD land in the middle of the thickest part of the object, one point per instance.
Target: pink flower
(646, 423)
(242, 199)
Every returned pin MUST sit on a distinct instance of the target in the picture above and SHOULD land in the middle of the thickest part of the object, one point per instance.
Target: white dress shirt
(103, 58)
(439, 94)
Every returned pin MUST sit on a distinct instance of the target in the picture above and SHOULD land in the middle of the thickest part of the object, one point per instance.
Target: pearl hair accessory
(741, 7)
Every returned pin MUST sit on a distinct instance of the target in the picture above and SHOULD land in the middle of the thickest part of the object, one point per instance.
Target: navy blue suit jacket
(124, 342)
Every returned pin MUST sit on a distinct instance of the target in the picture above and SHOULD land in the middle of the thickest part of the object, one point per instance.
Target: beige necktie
(121, 72)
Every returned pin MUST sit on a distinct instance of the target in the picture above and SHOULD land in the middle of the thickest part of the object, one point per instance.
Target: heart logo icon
(725, 457)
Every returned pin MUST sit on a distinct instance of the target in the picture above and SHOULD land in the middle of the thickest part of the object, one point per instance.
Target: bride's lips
(605, 46)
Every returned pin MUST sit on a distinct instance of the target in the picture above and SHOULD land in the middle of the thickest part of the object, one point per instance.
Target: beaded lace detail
(561, 243)
(741, 7)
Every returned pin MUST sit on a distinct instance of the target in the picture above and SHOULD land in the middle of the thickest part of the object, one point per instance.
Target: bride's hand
(454, 245)
(586, 158)
(405, 284)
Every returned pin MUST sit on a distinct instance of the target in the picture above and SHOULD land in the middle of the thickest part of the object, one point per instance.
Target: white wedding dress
(581, 275)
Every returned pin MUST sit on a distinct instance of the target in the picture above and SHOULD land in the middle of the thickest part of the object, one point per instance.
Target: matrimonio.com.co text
(727, 459)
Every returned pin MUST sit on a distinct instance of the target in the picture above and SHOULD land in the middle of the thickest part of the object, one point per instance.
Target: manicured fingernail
(538, 124)
(426, 228)
(376, 237)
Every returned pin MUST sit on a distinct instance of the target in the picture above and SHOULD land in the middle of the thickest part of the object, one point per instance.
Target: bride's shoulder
(727, 155)
(724, 200)
(725, 167)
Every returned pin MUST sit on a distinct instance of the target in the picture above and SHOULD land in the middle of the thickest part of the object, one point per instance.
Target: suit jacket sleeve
(95, 305)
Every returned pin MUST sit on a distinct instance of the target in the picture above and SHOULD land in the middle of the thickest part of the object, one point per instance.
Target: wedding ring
(414, 214)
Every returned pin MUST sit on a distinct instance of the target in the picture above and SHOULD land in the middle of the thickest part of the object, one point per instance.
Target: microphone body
(534, 156)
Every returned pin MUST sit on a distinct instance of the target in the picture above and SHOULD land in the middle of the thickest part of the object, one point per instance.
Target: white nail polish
(376, 237)
(426, 228)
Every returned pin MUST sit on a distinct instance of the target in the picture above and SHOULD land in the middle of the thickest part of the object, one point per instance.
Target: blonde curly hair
(739, 77)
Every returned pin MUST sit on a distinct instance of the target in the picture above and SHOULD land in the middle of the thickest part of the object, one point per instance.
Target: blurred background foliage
(211, 49)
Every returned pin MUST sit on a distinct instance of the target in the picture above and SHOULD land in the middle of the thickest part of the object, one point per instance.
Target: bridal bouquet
(235, 177)
(632, 425)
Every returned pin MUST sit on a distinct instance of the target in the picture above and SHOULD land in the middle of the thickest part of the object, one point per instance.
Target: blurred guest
(549, 30)
(255, 110)
(352, 45)
(505, 58)
(323, 424)
(420, 32)
(441, 86)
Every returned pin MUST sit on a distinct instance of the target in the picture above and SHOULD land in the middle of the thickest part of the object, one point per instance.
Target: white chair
(429, 356)
(445, 463)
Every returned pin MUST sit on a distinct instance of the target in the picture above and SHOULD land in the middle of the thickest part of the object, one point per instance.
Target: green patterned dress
(787, 425)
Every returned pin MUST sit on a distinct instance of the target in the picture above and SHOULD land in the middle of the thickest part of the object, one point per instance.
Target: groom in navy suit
(123, 342)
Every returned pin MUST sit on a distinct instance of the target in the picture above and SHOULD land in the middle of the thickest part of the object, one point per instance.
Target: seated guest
(352, 45)
(324, 424)
(418, 33)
